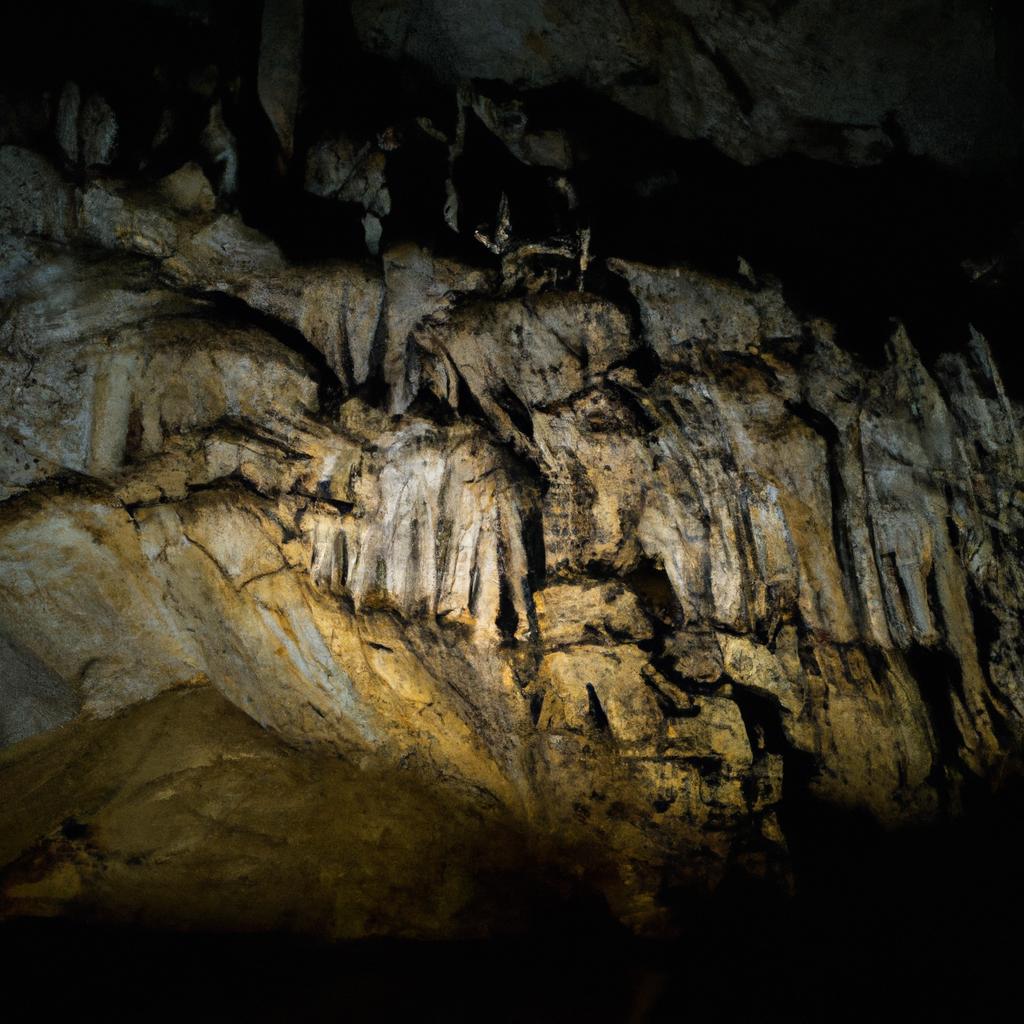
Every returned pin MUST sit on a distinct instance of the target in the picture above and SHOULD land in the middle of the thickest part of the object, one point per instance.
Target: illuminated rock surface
(339, 594)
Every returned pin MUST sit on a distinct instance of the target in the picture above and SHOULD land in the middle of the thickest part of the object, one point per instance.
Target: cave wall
(356, 413)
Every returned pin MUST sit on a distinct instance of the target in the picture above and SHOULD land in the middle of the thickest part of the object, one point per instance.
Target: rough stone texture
(280, 78)
(602, 563)
(757, 78)
(86, 130)
(135, 808)
(35, 699)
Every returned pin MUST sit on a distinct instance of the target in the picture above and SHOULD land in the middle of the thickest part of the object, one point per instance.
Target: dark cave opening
(596, 711)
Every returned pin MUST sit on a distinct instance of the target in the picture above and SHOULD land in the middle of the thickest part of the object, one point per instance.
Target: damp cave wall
(902, 219)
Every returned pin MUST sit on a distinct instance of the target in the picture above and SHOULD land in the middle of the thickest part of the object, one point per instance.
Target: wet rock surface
(360, 529)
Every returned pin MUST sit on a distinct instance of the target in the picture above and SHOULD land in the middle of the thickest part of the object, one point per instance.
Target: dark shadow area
(903, 239)
(920, 924)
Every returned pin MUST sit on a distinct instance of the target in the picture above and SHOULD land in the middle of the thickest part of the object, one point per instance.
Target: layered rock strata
(624, 574)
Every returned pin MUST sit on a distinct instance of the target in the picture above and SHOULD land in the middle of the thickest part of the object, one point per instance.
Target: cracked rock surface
(580, 561)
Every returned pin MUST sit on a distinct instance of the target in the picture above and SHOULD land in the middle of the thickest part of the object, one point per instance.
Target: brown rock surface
(336, 592)
(118, 819)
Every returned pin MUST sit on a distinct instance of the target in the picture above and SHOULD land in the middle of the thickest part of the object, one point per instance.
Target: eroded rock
(756, 79)
(611, 567)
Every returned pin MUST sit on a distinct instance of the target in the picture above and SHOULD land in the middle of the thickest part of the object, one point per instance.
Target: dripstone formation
(340, 585)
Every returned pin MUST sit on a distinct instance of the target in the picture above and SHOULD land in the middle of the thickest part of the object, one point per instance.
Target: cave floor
(187, 861)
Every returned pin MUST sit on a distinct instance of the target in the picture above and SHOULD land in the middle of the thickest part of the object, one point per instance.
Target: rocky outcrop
(621, 559)
(133, 809)
(756, 79)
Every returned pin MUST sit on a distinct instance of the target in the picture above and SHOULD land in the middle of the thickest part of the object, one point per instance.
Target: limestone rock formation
(610, 561)
(755, 78)
(215, 797)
